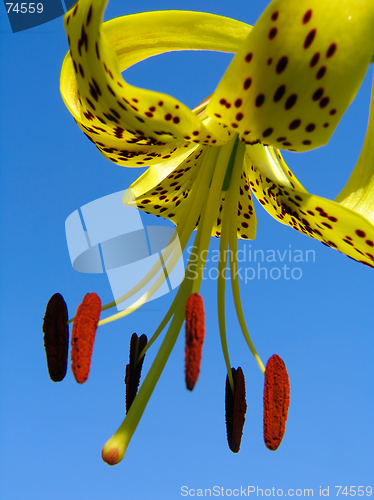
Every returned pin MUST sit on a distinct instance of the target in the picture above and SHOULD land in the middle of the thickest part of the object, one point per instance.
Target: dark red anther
(235, 406)
(276, 401)
(134, 368)
(195, 332)
(83, 336)
(56, 337)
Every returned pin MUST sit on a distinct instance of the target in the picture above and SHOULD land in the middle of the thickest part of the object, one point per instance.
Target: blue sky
(51, 435)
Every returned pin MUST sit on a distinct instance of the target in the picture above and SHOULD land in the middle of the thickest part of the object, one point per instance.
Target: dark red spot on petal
(294, 124)
(281, 65)
(324, 102)
(267, 132)
(279, 93)
(272, 33)
(259, 100)
(291, 101)
(247, 83)
(321, 72)
(309, 38)
(314, 59)
(274, 16)
(331, 50)
(318, 94)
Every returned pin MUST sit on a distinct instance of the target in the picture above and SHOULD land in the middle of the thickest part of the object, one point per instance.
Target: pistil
(117, 445)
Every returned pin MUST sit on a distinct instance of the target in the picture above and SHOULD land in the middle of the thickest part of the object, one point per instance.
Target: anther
(134, 368)
(195, 332)
(56, 337)
(83, 336)
(235, 406)
(276, 402)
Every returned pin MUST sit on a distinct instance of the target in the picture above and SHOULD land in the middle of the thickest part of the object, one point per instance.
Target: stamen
(235, 406)
(83, 336)
(195, 332)
(276, 402)
(56, 337)
(134, 368)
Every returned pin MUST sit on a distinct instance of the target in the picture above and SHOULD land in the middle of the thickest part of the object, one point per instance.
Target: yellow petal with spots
(284, 198)
(297, 72)
(162, 188)
(133, 126)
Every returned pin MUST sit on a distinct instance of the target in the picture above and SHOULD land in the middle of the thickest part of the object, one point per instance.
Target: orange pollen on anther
(236, 407)
(276, 401)
(56, 337)
(83, 336)
(195, 332)
(134, 368)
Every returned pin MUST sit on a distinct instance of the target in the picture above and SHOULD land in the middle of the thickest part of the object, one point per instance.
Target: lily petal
(296, 74)
(129, 125)
(285, 199)
(358, 193)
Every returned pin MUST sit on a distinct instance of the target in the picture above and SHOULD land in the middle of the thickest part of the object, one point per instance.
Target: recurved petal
(130, 125)
(358, 193)
(297, 72)
(285, 199)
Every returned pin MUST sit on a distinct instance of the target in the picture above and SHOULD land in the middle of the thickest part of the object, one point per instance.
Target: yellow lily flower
(293, 76)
